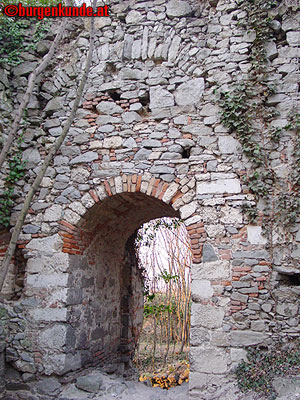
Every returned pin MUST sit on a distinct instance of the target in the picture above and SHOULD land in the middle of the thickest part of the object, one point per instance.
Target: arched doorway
(107, 321)
(85, 279)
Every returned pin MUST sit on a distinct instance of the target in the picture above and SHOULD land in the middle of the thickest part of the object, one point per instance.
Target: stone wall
(147, 142)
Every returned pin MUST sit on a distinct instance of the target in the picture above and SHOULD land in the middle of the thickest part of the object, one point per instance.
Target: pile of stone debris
(95, 385)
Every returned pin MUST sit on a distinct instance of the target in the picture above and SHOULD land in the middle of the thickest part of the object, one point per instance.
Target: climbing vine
(262, 366)
(16, 171)
(13, 33)
(249, 114)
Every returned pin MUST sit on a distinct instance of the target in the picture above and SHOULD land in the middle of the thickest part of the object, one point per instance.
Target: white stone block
(207, 316)
(87, 200)
(118, 184)
(201, 289)
(53, 337)
(210, 360)
(215, 270)
(53, 213)
(47, 280)
(71, 217)
(49, 314)
(78, 207)
(49, 244)
(231, 215)
(254, 234)
(112, 142)
(101, 193)
(187, 210)
(170, 192)
(220, 186)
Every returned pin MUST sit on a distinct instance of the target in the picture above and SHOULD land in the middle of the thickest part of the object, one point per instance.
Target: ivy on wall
(247, 112)
(16, 171)
(18, 35)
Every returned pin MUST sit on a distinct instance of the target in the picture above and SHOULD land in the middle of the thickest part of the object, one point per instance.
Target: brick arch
(103, 265)
(76, 238)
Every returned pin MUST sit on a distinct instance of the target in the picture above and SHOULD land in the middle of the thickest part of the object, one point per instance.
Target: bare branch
(31, 82)
(17, 228)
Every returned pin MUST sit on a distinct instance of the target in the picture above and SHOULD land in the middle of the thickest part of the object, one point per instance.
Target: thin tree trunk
(31, 81)
(184, 327)
(168, 295)
(168, 340)
(17, 228)
(154, 341)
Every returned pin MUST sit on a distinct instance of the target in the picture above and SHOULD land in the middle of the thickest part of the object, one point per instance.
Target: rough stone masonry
(147, 142)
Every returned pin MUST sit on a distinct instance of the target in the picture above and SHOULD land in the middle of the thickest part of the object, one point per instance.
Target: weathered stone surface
(102, 22)
(48, 262)
(243, 298)
(271, 50)
(53, 213)
(209, 360)
(79, 174)
(178, 8)
(47, 280)
(135, 74)
(259, 254)
(190, 92)
(267, 307)
(31, 228)
(238, 355)
(131, 116)
(259, 326)
(208, 253)
(286, 270)
(107, 120)
(231, 215)
(255, 235)
(287, 309)
(85, 157)
(188, 210)
(142, 154)
(108, 107)
(293, 38)
(170, 192)
(296, 252)
(149, 143)
(174, 48)
(53, 337)
(54, 104)
(48, 386)
(207, 316)
(25, 68)
(228, 145)
(219, 186)
(112, 142)
(218, 270)
(247, 338)
(50, 314)
(154, 68)
(48, 244)
(133, 17)
(31, 157)
(89, 383)
(201, 289)
(160, 98)
(287, 386)
(161, 169)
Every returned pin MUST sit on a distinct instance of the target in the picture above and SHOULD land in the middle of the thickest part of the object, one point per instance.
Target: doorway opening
(107, 322)
(165, 257)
